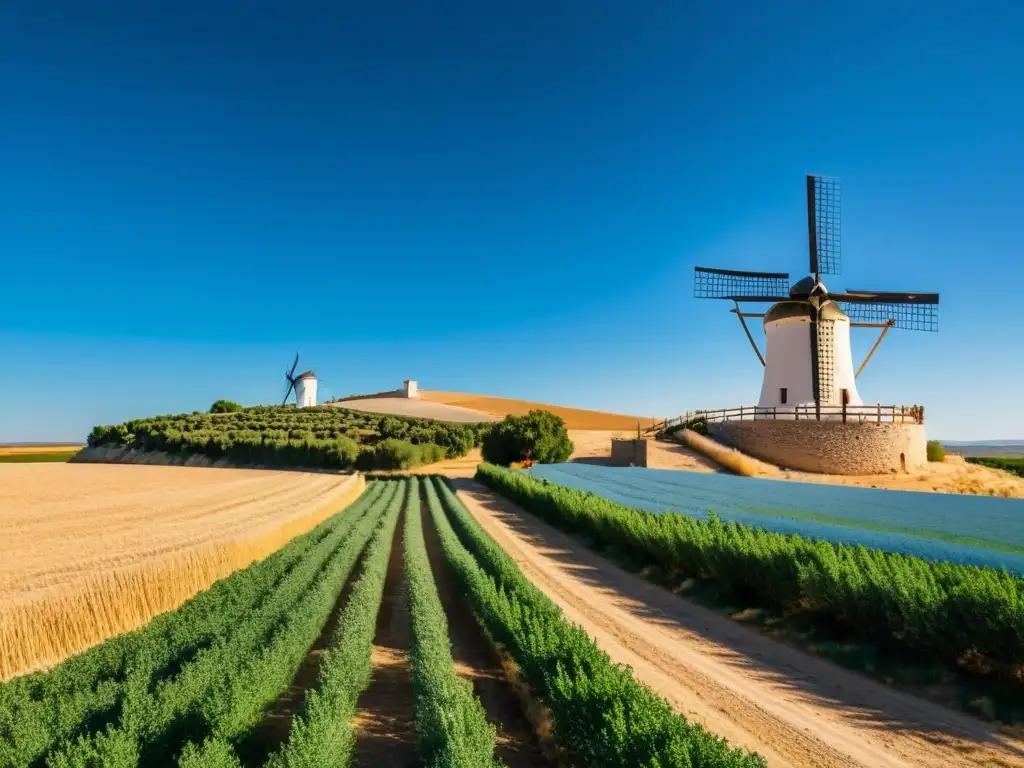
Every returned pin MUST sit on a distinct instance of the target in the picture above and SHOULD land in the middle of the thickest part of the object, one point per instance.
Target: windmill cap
(785, 309)
(306, 375)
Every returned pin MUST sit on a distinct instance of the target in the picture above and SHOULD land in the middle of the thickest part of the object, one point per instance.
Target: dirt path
(795, 709)
(477, 661)
(384, 722)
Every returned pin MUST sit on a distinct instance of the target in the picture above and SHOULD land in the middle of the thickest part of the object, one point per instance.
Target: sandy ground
(422, 409)
(62, 523)
(795, 709)
(954, 475)
(575, 418)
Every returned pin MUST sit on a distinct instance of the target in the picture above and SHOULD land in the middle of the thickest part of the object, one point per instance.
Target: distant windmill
(304, 385)
(807, 328)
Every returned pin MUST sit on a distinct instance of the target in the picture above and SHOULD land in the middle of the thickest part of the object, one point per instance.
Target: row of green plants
(208, 689)
(453, 725)
(602, 716)
(321, 732)
(328, 438)
(1014, 464)
(40, 710)
(942, 612)
(221, 694)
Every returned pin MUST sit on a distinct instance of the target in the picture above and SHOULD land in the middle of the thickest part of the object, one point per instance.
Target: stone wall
(830, 447)
(626, 452)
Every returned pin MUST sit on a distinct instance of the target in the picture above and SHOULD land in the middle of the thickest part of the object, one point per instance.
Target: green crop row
(1013, 464)
(939, 611)
(222, 692)
(220, 688)
(41, 710)
(321, 734)
(453, 726)
(602, 715)
(333, 438)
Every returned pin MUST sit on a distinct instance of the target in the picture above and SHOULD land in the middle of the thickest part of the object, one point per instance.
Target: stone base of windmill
(828, 447)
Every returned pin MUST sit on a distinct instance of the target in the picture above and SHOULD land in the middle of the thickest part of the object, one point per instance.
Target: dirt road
(794, 709)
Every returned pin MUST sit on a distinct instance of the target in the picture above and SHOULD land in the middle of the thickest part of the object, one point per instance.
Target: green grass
(953, 538)
(32, 458)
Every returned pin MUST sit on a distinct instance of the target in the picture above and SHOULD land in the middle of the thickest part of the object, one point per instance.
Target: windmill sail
(908, 311)
(824, 225)
(290, 376)
(709, 283)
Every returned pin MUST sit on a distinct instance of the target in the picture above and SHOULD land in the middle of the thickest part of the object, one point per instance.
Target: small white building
(410, 388)
(808, 353)
(305, 390)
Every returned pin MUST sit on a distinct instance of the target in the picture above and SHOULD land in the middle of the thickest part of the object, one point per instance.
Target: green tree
(936, 451)
(540, 436)
(225, 406)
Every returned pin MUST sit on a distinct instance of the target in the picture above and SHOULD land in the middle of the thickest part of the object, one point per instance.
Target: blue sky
(505, 198)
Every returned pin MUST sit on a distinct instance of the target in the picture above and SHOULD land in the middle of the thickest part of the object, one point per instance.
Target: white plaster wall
(411, 388)
(305, 393)
(787, 363)
(844, 370)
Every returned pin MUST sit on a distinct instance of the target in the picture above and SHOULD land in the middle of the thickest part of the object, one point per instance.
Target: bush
(539, 435)
(225, 406)
(935, 450)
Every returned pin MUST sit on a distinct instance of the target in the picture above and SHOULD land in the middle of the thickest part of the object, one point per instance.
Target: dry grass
(11, 450)
(91, 551)
(575, 418)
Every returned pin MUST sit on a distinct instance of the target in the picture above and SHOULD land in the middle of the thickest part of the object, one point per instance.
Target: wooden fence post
(879, 413)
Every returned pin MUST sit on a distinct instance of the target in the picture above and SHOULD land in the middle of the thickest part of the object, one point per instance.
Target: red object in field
(527, 463)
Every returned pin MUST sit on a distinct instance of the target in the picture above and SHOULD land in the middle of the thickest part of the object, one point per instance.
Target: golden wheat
(92, 551)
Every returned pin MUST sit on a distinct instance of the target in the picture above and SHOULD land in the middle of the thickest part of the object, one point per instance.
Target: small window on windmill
(783, 392)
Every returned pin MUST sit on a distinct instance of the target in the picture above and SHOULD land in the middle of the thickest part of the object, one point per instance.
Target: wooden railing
(878, 413)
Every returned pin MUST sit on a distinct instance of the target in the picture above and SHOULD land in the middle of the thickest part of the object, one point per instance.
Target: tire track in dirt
(384, 722)
(795, 709)
(478, 662)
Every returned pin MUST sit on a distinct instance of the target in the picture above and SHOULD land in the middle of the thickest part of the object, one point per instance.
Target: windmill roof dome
(786, 309)
(306, 375)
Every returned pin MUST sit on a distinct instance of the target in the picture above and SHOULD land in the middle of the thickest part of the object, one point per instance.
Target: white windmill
(807, 327)
(304, 385)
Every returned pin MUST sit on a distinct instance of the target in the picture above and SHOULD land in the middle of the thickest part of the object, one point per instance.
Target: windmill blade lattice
(709, 283)
(824, 225)
(908, 311)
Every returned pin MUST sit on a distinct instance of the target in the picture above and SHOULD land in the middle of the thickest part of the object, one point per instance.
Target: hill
(575, 418)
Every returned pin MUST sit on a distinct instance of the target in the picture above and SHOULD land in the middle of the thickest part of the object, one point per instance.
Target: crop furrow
(602, 715)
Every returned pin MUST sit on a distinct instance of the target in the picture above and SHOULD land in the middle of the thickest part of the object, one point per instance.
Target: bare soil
(477, 661)
(575, 418)
(385, 722)
(795, 709)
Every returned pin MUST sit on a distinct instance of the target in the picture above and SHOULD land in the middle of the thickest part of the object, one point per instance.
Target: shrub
(396, 454)
(935, 450)
(225, 406)
(539, 435)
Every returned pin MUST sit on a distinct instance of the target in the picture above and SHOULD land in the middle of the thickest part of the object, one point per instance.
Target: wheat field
(93, 550)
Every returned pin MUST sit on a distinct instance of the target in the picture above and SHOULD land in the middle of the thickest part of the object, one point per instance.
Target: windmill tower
(808, 360)
(304, 385)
